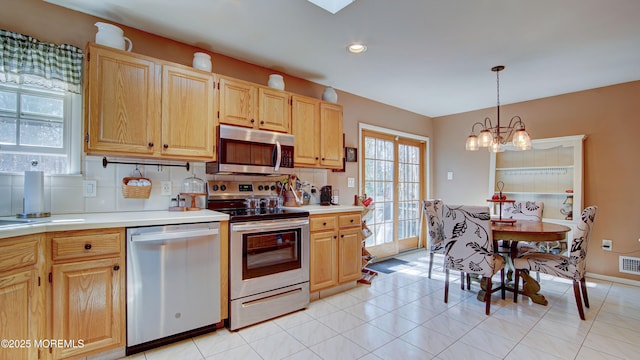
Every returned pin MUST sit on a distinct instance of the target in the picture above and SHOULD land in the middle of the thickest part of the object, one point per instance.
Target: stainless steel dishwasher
(173, 282)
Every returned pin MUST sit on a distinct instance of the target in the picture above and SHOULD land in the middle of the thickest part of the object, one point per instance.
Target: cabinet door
(350, 253)
(331, 144)
(305, 125)
(21, 314)
(88, 304)
(188, 122)
(237, 101)
(323, 270)
(122, 102)
(274, 110)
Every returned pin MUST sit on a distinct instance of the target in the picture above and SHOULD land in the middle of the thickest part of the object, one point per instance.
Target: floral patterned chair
(432, 209)
(469, 247)
(572, 267)
(524, 210)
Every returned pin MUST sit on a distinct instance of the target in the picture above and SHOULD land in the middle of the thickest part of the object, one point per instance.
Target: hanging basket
(136, 187)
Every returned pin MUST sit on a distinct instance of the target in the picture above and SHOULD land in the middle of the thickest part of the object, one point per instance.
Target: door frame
(427, 185)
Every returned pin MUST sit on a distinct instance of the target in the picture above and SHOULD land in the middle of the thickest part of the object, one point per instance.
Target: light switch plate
(351, 182)
(89, 188)
(449, 175)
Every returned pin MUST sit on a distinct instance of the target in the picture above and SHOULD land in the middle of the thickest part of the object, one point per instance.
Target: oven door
(267, 255)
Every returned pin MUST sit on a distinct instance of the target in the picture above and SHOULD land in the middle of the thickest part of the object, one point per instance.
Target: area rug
(388, 266)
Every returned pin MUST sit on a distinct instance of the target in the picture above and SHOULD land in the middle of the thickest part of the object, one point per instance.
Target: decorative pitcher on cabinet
(113, 36)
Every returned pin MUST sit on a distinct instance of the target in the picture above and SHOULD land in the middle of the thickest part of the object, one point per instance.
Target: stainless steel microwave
(248, 151)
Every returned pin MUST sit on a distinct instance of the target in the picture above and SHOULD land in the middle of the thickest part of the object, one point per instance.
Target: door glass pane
(379, 176)
(408, 190)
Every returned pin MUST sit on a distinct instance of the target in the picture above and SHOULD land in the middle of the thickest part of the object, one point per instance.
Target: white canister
(113, 36)
(276, 81)
(330, 95)
(202, 61)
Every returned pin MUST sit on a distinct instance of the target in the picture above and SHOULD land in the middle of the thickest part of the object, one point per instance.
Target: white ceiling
(431, 57)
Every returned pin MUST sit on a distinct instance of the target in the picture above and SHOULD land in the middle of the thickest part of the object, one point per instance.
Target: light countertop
(327, 209)
(85, 221)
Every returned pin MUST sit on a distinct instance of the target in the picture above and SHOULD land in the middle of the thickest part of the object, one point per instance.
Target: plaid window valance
(26, 60)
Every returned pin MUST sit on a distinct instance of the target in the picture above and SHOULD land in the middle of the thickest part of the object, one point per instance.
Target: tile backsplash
(63, 193)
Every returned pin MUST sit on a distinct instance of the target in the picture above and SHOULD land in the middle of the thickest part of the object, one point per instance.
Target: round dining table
(529, 231)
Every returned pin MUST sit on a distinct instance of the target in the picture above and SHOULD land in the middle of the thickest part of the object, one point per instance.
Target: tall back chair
(469, 246)
(523, 210)
(572, 267)
(433, 213)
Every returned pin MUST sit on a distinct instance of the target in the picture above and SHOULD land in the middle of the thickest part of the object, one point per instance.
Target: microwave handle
(278, 156)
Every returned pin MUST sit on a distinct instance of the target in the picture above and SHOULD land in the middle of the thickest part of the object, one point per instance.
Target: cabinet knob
(352, 221)
(252, 121)
(322, 159)
(316, 158)
(335, 237)
(324, 224)
(342, 236)
(116, 267)
(87, 246)
(166, 146)
(261, 122)
(150, 144)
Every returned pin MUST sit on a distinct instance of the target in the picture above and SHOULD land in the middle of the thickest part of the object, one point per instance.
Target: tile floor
(402, 315)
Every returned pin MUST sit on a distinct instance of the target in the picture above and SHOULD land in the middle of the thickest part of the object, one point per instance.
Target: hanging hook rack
(106, 162)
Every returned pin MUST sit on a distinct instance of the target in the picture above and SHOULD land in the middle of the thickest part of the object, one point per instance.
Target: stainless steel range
(268, 252)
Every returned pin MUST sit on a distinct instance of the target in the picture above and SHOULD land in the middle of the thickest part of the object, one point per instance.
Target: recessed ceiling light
(357, 48)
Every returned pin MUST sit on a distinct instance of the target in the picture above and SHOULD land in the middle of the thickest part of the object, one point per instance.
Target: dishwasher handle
(173, 235)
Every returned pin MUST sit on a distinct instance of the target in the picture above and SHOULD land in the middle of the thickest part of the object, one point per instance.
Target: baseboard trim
(614, 279)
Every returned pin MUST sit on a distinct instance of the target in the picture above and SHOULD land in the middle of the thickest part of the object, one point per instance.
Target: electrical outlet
(607, 245)
(166, 187)
(89, 188)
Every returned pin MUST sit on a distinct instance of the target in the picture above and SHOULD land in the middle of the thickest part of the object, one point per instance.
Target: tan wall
(609, 118)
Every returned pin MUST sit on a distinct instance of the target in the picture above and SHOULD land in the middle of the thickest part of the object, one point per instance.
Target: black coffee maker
(325, 195)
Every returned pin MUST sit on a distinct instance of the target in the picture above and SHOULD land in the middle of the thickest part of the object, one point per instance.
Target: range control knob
(260, 187)
(273, 188)
(223, 187)
(214, 187)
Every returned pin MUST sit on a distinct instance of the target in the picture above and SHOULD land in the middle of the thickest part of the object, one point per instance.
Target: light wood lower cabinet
(22, 297)
(87, 291)
(335, 253)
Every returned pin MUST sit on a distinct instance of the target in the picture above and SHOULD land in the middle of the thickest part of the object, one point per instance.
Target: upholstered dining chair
(432, 210)
(572, 267)
(469, 247)
(524, 210)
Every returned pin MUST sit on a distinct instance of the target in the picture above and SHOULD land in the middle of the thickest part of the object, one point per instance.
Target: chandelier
(495, 137)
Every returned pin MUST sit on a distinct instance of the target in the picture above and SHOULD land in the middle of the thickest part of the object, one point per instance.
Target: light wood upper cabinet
(188, 117)
(140, 106)
(274, 110)
(305, 127)
(317, 127)
(88, 265)
(122, 102)
(22, 296)
(237, 102)
(249, 105)
(331, 142)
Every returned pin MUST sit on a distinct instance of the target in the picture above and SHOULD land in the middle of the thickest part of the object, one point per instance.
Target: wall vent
(630, 265)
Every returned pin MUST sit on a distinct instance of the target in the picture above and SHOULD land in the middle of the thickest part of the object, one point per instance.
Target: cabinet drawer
(86, 244)
(349, 220)
(322, 223)
(18, 252)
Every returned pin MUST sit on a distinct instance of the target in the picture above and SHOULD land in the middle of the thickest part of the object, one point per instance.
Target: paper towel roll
(33, 192)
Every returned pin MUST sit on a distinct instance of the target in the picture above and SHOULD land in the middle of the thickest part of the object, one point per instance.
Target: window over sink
(39, 124)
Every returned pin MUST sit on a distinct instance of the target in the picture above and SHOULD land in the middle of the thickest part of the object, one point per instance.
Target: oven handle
(174, 235)
(268, 226)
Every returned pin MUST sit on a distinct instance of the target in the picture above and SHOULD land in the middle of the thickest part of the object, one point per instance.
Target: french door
(393, 175)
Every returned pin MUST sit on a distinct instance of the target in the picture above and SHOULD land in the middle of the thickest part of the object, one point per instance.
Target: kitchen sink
(14, 222)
